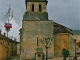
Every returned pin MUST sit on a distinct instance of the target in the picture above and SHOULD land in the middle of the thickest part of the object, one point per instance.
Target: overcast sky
(65, 12)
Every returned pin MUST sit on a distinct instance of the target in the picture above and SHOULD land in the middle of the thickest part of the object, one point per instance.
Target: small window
(39, 8)
(32, 7)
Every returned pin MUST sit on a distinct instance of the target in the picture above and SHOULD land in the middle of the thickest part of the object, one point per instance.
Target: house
(76, 36)
(8, 47)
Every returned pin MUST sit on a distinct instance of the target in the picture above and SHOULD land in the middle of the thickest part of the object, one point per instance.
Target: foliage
(65, 53)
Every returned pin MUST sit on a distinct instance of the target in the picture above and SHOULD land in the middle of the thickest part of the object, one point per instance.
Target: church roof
(36, 0)
(58, 28)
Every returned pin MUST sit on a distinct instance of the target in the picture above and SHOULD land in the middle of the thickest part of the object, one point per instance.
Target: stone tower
(35, 24)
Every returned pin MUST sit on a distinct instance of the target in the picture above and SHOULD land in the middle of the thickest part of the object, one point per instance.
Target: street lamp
(75, 58)
(46, 42)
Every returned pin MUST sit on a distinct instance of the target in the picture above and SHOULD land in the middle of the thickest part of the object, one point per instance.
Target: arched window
(32, 7)
(39, 8)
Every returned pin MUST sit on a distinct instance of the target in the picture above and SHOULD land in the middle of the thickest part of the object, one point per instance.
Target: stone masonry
(30, 31)
(35, 24)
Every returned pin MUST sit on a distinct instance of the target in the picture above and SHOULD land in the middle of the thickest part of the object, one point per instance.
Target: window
(32, 7)
(39, 8)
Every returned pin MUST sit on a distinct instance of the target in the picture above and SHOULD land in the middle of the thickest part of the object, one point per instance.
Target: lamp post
(75, 58)
(46, 42)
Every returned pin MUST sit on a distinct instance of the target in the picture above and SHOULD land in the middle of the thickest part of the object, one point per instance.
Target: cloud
(18, 7)
(65, 12)
(14, 31)
(61, 11)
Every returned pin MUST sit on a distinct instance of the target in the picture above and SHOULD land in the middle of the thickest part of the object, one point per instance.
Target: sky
(64, 12)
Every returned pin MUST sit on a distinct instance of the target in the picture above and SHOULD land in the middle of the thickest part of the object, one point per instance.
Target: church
(36, 26)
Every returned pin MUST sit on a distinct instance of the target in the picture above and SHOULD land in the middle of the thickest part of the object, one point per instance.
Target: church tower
(36, 10)
(35, 24)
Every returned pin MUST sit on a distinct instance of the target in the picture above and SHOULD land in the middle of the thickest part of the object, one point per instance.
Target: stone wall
(36, 6)
(30, 31)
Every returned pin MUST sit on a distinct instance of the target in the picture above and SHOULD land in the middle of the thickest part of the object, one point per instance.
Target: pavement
(16, 57)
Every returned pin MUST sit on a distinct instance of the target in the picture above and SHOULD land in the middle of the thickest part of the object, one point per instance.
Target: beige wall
(2, 50)
(77, 37)
(62, 40)
(36, 6)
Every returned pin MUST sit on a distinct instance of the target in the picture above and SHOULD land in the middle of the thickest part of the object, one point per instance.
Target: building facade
(8, 47)
(63, 39)
(76, 35)
(35, 24)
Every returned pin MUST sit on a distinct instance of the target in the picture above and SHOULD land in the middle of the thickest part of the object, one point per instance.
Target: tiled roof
(2, 37)
(58, 28)
(76, 31)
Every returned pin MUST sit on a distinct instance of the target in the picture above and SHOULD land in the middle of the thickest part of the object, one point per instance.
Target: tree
(65, 53)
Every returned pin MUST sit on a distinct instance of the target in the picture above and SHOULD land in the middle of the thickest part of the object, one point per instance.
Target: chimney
(4, 34)
(0, 31)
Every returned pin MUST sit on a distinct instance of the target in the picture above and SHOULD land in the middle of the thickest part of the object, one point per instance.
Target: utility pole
(9, 16)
